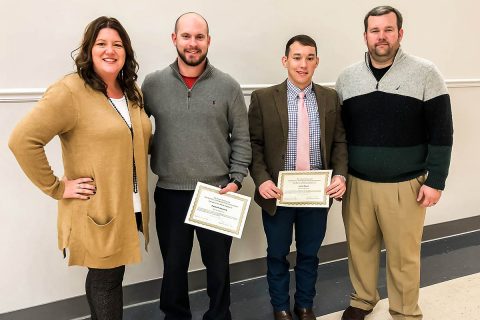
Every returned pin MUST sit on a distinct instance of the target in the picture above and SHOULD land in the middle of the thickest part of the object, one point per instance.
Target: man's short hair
(303, 39)
(380, 11)
(175, 29)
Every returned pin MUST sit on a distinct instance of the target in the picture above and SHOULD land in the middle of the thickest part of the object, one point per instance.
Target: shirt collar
(293, 90)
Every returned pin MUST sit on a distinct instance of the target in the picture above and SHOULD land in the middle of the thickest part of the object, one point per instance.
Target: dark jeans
(176, 240)
(310, 225)
(104, 293)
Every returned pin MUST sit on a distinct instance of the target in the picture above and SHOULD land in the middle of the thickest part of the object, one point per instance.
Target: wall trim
(24, 95)
(77, 307)
(21, 95)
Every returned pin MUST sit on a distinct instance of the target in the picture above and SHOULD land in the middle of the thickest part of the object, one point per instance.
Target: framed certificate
(224, 213)
(304, 188)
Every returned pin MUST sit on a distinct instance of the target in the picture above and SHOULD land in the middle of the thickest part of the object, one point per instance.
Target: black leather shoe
(282, 315)
(353, 313)
(304, 313)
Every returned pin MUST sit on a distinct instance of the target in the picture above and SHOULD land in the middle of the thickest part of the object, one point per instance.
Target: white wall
(248, 39)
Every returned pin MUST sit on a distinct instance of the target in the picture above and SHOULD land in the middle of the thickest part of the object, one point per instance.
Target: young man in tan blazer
(275, 132)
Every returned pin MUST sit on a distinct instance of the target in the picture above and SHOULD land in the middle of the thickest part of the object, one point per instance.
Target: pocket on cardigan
(101, 239)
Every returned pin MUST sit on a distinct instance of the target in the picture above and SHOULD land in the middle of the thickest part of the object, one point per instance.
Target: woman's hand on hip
(81, 188)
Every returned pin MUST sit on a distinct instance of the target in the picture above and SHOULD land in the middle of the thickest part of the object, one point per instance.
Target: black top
(378, 73)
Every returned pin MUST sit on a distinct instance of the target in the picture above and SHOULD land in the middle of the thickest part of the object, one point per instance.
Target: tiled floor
(455, 299)
(450, 288)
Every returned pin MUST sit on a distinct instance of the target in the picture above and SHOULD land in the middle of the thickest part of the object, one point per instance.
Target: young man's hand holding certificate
(304, 188)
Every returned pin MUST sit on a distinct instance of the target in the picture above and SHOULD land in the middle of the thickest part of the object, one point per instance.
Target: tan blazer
(268, 118)
(100, 232)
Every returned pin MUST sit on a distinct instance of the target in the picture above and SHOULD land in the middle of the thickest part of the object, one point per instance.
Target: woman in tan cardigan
(97, 112)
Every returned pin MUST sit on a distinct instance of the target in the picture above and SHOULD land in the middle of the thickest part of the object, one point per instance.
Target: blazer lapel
(321, 105)
(281, 102)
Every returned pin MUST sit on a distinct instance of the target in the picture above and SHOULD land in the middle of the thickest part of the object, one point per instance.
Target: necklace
(119, 113)
(130, 127)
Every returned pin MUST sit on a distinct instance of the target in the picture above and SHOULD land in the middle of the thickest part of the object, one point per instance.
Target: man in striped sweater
(397, 116)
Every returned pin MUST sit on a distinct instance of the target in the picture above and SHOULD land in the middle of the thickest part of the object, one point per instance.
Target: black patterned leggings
(104, 293)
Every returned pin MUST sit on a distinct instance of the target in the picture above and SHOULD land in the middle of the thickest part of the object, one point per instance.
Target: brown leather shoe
(353, 313)
(282, 315)
(304, 313)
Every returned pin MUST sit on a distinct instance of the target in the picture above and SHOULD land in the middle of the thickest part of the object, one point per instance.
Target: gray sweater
(400, 126)
(201, 134)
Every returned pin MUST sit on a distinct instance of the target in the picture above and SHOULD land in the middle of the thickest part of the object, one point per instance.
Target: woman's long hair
(84, 62)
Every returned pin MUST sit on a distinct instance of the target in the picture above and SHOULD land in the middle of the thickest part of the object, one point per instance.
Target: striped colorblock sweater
(399, 127)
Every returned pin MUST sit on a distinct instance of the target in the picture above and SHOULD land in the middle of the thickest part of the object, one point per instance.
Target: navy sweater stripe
(438, 116)
(384, 120)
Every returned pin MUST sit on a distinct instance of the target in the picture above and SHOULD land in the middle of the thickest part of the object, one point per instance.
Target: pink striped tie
(303, 138)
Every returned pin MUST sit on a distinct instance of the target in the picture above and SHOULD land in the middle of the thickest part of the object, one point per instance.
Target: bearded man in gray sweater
(201, 135)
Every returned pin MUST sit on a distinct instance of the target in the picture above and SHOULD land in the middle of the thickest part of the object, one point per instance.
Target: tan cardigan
(96, 142)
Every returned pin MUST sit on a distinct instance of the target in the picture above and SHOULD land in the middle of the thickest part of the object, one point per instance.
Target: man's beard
(383, 54)
(192, 63)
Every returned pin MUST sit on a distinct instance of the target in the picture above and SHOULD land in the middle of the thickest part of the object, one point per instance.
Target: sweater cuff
(58, 194)
(436, 182)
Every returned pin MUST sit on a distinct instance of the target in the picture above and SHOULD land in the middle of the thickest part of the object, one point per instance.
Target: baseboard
(77, 307)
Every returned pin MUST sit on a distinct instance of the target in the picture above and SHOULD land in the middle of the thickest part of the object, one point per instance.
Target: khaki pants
(389, 211)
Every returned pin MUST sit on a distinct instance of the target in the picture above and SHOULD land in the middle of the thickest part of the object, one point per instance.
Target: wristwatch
(238, 183)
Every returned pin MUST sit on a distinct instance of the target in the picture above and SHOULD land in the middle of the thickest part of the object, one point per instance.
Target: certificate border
(323, 203)
(241, 221)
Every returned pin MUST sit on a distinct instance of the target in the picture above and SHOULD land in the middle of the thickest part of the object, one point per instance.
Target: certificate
(304, 188)
(224, 213)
